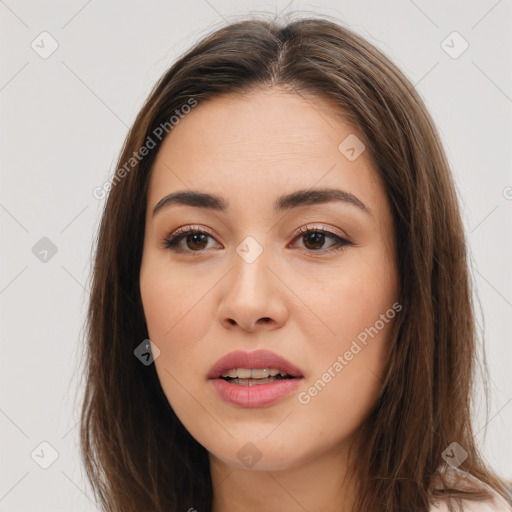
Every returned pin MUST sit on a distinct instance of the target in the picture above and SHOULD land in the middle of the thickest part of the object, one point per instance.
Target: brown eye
(314, 239)
(195, 240)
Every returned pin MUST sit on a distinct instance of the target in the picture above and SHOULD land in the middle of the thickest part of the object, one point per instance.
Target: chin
(258, 455)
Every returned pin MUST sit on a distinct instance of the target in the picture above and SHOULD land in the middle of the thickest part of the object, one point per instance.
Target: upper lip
(251, 360)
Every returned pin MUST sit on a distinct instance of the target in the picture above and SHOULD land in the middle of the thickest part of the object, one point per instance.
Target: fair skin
(205, 300)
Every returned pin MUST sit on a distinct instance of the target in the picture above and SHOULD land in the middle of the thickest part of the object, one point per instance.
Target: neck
(321, 484)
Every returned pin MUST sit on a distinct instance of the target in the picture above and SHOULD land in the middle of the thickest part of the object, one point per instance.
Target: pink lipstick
(254, 379)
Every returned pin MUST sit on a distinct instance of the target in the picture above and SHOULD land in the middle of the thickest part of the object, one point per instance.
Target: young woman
(281, 314)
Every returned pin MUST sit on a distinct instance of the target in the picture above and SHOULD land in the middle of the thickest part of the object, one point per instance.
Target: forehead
(262, 144)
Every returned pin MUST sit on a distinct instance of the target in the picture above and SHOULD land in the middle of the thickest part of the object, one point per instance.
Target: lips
(252, 360)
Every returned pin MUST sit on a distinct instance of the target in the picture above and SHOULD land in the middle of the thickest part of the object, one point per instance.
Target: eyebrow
(283, 203)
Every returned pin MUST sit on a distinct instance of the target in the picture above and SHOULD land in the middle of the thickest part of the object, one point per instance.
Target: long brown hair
(137, 454)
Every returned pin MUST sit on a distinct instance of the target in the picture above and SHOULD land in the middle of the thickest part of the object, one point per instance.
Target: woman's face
(323, 300)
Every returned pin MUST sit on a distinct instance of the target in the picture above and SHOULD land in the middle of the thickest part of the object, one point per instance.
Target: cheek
(348, 362)
(178, 318)
(174, 303)
(345, 379)
(173, 326)
(348, 299)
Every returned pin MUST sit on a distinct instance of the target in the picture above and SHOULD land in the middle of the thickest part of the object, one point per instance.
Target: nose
(253, 297)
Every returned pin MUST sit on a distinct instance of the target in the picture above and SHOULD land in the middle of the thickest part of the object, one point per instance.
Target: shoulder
(460, 479)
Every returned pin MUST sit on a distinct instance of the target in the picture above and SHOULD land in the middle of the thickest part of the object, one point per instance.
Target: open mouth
(254, 376)
(254, 379)
(255, 382)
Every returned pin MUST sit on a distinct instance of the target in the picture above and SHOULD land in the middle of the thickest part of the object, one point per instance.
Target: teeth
(253, 382)
(256, 373)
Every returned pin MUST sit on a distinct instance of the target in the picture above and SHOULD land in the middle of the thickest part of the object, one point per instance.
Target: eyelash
(172, 240)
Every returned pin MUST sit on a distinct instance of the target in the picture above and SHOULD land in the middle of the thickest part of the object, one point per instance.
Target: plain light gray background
(64, 119)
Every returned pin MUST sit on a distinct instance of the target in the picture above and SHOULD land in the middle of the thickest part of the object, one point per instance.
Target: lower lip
(257, 395)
